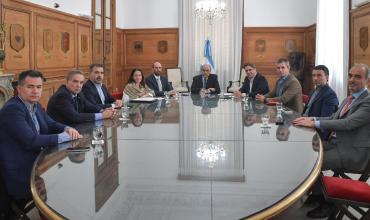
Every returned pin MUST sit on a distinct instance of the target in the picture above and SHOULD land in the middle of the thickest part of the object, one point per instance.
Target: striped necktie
(346, 107)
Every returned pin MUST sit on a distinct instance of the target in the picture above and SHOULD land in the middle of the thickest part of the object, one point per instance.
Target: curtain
(225, 36)
(332, 42)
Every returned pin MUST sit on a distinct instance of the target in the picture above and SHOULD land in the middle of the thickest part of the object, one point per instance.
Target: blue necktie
(35, 121)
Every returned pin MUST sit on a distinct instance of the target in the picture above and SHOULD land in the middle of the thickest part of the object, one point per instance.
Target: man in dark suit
(159, 84)
(254, 83)
(96, 92)
(205, 82)
(25, 129)
(323, 101)
(348, 146)
(287, 89)
(69, 106)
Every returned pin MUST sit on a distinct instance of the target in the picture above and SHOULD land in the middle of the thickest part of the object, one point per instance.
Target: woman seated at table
(136, 87)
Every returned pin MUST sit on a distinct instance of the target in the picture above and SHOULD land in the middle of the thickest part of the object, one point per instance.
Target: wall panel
(360, 28)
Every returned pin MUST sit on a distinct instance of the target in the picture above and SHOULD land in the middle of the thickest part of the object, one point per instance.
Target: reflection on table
(181, 162)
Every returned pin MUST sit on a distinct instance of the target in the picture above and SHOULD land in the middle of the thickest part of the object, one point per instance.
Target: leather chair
(305, 99)
(117, 95)
(9, 207)
(235, 85)
(174, 77)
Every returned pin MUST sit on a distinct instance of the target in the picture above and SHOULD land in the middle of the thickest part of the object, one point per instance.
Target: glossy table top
(190, 158)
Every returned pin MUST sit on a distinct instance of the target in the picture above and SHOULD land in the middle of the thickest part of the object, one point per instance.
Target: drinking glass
(265, 120)
(98, 135)
(124, 113)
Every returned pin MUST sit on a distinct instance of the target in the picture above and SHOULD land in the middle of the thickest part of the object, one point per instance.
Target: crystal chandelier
(210, 9)
(211, 153)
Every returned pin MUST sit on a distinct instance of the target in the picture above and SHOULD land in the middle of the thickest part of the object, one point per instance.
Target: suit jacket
(259, 86)
(205, 102)
(212, 82)
(91, 93)
(325, 103)
(292, 94)
(20, 143)
(151, 81)
(61, 108)
(352, 131)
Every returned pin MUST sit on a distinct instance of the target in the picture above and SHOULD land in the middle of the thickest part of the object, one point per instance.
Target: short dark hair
(283, 60)
(323, 68)
(72, 73)
(131, 79)
(250, 64)
(92, 66)
(29, 73)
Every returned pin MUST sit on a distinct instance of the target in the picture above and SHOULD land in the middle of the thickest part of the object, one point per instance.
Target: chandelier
(211, 153)
(210, 9)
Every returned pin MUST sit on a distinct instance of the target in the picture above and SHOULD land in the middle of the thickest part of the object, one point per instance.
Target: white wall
(68, 6)
(272, 13)
(147, 14)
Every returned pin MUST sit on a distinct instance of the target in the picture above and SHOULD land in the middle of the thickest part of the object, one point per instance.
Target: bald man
(158, 83)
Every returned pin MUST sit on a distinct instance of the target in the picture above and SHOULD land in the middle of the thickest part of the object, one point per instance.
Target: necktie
(312, 98)
(35, 121)
(346, 107)
(75, 103)
(204, 83)
(280, 84)
(101, 94)
(159, 84)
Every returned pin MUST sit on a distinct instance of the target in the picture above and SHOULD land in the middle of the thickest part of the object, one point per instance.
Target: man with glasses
(253, 84)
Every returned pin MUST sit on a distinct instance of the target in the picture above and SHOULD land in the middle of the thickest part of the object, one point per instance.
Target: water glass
(265, 120)
(124, 113)
(98, 135)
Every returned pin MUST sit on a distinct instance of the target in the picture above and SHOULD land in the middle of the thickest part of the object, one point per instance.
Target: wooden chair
(235, 85)
(174, 77)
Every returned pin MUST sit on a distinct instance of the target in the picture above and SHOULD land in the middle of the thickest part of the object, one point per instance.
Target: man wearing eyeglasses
(253, 84)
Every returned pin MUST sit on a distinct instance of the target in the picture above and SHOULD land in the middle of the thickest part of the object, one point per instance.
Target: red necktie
(346, 107)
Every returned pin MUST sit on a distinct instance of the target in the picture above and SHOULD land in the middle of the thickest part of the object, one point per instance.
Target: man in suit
(287, 89)
(348, 145)
(323, 101)
(205, 82)
(159, 84)
(96, 92)
(254, 83)
(69, 106)
(25, 129)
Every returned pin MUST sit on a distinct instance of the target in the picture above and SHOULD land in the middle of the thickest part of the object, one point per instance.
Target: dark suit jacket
(152, 83)
(292, 94)
(325, 103)
(20, 143)
(91, 93)
(61, 108)
(259, 86)
(212, 82)
(205, 102)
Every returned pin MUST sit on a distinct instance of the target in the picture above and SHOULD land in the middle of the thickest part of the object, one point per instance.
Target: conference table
(188, 157)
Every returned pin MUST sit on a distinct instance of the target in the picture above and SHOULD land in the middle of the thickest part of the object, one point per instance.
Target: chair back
(174, 76)
(305, 99)
(243, 74)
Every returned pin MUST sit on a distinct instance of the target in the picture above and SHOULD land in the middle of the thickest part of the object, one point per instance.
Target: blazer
(259, 86)
(205, 102)
(325, 103)
(61, 107)
(20, 143)
(292, 94)
(92, 95)
(151, 82)
(212, 82)
(352, 131)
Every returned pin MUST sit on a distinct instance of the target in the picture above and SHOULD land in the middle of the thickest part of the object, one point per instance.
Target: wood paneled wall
(47, 40)
(265, 45)
(142, 47)
(360, 28)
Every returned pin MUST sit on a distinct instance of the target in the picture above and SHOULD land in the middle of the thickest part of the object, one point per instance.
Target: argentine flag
(208, 53)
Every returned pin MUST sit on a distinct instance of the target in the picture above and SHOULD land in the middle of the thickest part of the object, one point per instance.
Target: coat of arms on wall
(48, 40)
(290, 45)
(65, 41)
(17, 37)
(138, 46)
(162, 46)
(84, 43)
(364, 38)
(260, 46)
